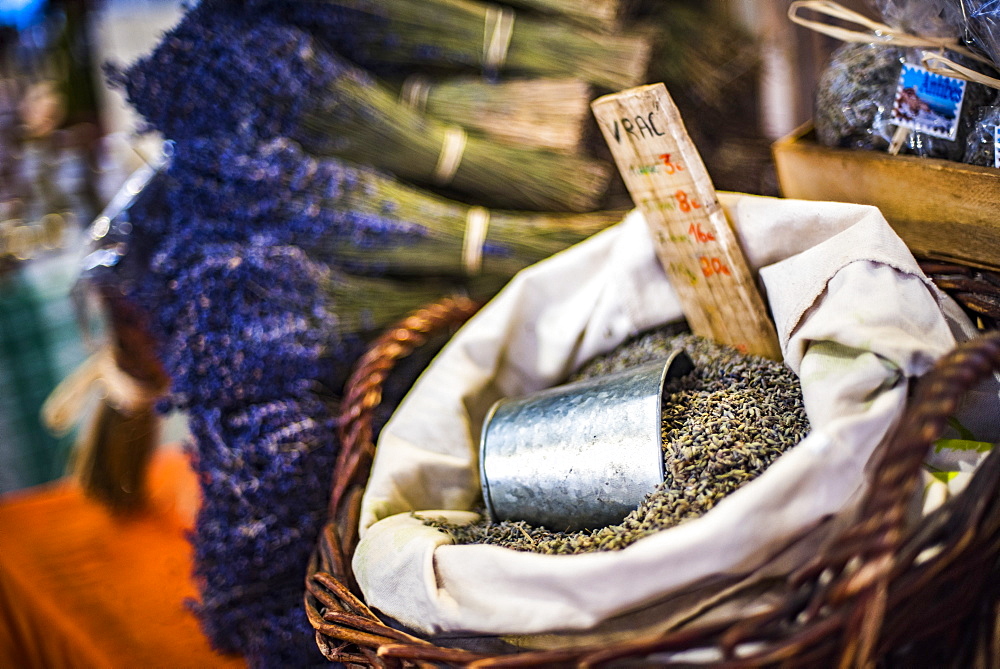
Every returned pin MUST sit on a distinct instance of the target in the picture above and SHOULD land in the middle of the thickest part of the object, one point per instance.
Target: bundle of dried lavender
(360, 219)
(267, 80)
(472, 35)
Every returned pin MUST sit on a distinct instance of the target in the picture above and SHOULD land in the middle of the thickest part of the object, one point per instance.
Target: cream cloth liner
(856, 319)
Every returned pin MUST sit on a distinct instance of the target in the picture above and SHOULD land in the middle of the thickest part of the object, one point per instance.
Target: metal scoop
(579, 455)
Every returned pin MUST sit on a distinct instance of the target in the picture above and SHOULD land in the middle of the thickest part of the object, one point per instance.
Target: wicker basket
(876, 595)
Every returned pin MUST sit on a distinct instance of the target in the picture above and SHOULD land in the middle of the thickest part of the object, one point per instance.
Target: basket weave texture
(878, 595)
(976, 290)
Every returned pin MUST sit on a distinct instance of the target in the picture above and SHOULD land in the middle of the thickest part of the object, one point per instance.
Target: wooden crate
(941, 209)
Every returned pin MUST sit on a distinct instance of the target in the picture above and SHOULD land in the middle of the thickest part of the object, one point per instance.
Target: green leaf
(962, 445)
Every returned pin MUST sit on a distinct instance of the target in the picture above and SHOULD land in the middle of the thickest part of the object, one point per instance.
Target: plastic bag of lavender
(857, 321)
(878, 95)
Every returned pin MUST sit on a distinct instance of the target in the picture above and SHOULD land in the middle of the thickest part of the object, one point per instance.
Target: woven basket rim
(834, 608)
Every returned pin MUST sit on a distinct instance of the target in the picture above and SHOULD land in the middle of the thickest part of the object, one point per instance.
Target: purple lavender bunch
(359, 35)
(222, 71)
(256, 358)
(367, 38)
(265, 473)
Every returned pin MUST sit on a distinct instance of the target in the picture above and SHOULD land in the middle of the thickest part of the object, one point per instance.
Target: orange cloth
(82, 588)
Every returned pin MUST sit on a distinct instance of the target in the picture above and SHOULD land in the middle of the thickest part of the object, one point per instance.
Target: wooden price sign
(700, 253)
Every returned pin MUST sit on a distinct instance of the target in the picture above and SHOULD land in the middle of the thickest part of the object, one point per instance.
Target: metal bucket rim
(485, 482)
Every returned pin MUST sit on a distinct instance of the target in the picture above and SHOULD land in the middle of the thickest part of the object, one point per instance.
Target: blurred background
(68, 142)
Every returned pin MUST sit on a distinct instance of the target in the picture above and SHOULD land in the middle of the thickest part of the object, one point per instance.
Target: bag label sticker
(928, 102)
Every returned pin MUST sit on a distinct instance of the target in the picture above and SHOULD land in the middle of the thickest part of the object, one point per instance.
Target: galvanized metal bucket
(578, 455)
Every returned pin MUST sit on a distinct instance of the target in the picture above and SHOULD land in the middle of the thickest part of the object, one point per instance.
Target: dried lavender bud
(723, 425)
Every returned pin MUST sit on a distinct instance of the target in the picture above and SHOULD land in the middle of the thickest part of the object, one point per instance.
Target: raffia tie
(940, 64)
(477, 224)
(875, 32)
(65, 404)
(414, 94)
(415, 91)
(452, 150)
(497, 32)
